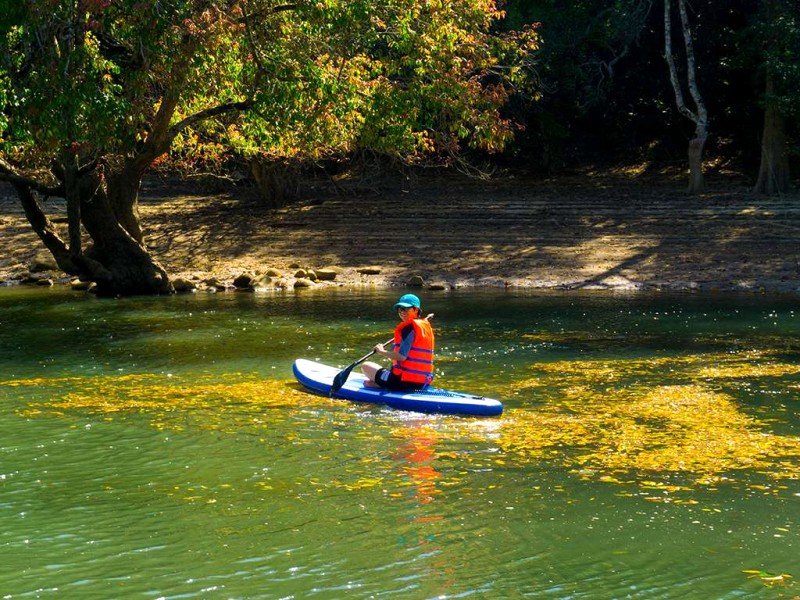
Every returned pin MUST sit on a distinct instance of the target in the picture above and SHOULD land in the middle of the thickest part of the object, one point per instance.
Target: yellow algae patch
(748, 370)
(686, 429)
(606, 417)
(37, 381)
(681, 429)
(690, 368)
(533, 435)
(165, 398)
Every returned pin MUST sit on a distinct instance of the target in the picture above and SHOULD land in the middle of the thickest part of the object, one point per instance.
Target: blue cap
(407, 301)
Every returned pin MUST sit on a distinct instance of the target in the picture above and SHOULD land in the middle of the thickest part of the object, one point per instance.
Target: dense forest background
(597, 90)
(606, 93)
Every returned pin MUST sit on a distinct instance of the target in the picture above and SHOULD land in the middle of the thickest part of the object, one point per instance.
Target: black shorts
(388, 380)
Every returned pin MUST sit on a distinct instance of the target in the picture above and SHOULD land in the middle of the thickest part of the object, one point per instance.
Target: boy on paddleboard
(411, 353)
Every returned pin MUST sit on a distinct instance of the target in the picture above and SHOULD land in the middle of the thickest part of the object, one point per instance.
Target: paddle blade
(341, 376)
(340, 379)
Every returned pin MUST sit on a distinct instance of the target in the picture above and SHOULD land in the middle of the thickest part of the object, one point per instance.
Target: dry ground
(592, 230)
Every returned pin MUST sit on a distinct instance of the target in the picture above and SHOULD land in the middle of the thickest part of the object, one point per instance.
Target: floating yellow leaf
(766, 577)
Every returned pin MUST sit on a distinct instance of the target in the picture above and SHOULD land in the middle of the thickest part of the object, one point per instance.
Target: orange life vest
(418, 366)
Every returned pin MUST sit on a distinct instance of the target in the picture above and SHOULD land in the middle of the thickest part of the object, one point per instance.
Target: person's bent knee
(370, 369)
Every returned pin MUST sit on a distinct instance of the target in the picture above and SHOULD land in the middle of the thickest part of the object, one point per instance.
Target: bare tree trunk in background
(699, 116)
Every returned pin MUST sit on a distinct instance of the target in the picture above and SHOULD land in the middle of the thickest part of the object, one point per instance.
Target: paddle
(341, 376)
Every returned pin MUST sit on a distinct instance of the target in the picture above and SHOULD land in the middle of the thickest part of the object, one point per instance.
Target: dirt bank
(587, 231)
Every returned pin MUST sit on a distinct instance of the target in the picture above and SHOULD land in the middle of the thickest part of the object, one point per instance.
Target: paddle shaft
(366, 356)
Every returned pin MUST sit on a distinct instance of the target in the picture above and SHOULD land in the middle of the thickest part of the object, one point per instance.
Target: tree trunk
(774, 175)
(696, 178)
(700, 115)
(131, 270)
(118, 263)
(277, 181)
(123, 195)
(44, 228)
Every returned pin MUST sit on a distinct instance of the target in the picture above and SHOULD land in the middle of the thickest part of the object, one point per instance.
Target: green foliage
(400, 77)
(75, 74)
(407, 78)
(584, 42)
(600, 68)
(781, 30)
(404, 77)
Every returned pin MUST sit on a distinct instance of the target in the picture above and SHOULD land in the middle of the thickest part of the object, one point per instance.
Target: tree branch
(44, 228)
(271, 10)
(73, 207)
(10, 174)
(208, 113)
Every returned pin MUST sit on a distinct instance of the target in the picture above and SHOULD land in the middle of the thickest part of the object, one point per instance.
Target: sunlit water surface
(159, 448)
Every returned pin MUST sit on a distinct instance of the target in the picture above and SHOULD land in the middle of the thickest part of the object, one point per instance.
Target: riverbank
(591, 230)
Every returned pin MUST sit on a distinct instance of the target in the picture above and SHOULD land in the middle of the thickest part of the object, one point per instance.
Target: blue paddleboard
(318, 378)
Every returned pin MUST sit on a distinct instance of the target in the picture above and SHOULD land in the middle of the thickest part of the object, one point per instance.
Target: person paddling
(411, 353)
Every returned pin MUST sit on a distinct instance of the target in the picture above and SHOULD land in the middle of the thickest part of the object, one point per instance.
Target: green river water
(159, 448)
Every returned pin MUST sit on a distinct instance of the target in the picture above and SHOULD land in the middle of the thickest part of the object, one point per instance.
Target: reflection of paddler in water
(415, 457)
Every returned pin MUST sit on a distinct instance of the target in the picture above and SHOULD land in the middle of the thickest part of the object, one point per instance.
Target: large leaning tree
(94, 91)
